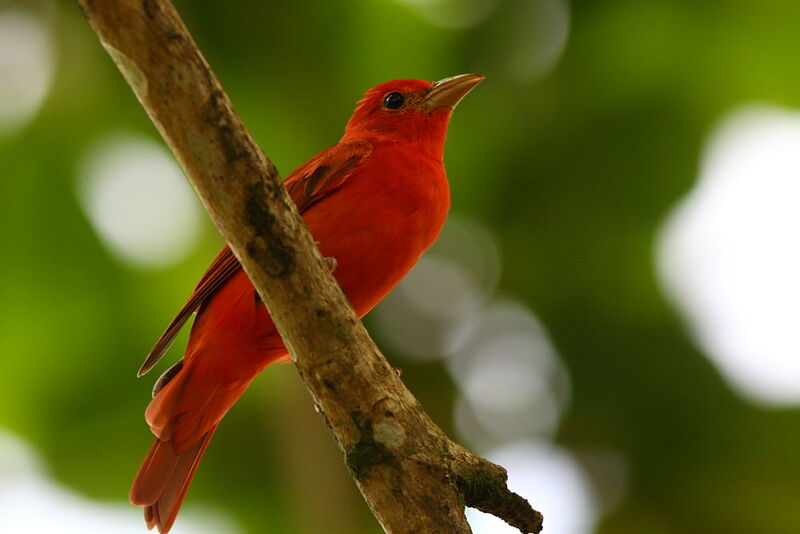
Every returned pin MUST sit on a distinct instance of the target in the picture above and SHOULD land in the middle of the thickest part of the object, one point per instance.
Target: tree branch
(412, 476)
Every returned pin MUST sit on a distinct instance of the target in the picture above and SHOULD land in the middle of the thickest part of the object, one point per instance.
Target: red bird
(374, 202)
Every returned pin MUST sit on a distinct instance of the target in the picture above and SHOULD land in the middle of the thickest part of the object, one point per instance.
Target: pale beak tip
(448, 92)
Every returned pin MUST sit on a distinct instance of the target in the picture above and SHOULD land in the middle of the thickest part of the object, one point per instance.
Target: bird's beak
(449, 91)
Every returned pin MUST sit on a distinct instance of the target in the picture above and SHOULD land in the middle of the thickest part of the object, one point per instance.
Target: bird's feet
(330, 261)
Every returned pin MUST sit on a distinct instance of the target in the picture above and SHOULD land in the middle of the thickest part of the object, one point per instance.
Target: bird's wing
(326, 172)
(221, 269)
(307, 185)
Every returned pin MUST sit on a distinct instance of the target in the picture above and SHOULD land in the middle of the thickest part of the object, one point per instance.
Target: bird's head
(410, 110)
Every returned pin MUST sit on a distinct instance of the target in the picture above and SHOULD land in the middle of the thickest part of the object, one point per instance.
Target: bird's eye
(393, 100)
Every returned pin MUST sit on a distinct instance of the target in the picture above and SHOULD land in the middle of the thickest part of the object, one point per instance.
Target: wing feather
(325, 173)
(318, 178)
(221, 269)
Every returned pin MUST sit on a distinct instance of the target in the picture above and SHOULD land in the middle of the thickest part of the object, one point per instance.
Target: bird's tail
(163, 479)
(189, 402)
(180, 417)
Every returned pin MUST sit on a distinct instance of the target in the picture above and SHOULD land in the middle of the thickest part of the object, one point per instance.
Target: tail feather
(163, 479)
(163, 412)
(182, 414)
(153, 474)
(189, 402)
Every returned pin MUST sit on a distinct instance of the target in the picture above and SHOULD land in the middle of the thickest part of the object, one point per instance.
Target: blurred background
(611, 311)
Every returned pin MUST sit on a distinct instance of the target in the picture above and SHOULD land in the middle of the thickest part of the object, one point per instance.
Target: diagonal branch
(412, 476)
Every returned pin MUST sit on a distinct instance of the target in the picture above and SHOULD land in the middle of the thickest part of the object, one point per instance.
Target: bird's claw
(331, 262)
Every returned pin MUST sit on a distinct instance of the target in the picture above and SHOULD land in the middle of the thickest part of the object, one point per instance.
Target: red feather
(374, 202)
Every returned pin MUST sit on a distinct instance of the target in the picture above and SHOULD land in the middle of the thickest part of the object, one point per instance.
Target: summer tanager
(374, 202)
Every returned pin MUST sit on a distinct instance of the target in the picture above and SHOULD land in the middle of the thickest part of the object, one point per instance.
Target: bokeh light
(512, 384)
(31, 503)
(536, 39)
(452, 13)
(138, 201)
(452, 281)
(729, 256)
(512, 381)
(595, 120)
(552, 480)
(27, 61)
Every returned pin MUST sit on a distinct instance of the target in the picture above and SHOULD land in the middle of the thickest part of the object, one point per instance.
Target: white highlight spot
(536, 39)
(513, 382)
(551, 480)
(450, 282)
(452, 13)
(729, 256)
(138, 201)
(26, 68)
(30, 503)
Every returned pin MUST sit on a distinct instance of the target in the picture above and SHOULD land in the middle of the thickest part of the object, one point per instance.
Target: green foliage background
(572, 173)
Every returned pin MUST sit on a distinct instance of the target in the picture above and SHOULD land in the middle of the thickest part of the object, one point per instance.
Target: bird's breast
(379, 224)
